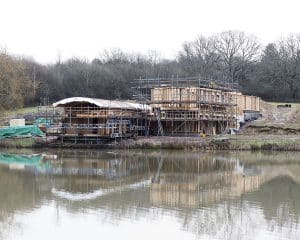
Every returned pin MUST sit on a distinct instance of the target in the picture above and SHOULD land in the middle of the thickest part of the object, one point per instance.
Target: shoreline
(226, 142)
(240, 142)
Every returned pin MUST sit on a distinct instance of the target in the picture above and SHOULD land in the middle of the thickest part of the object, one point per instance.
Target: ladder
(160, 132)
(160, 127)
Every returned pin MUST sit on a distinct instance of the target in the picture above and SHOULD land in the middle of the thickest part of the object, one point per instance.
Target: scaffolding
(164, 107)
(188, 106)
(82, 121)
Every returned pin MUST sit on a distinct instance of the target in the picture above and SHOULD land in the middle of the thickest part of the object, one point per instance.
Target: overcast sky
(45, 29)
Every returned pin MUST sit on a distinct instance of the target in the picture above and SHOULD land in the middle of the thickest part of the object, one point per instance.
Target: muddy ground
(276, 119)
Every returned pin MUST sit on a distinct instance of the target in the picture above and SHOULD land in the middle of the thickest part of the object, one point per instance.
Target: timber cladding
(193, 110)
(190, 97)
(245, 102)
(187, 97)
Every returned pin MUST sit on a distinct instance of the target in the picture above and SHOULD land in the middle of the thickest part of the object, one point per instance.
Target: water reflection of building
(197, 193)
(128, 184)
(200, 182)
(176, 178)
(105, 171)
(226, 179)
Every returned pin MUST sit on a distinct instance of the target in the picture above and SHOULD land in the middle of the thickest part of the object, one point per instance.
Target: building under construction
(165, 107)
(89, 120)
(188, 106)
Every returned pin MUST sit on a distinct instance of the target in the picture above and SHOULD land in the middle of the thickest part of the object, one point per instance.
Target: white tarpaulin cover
(104, 103)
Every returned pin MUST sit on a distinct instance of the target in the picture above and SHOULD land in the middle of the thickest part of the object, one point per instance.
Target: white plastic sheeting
(97, 193)
(104, 103)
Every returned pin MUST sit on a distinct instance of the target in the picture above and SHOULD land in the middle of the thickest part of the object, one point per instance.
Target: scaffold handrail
(184, 82)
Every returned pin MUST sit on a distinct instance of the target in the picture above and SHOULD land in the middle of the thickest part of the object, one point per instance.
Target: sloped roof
(103, 103)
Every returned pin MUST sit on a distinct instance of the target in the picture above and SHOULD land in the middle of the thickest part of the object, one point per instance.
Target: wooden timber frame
(188, 106)
(85, 123)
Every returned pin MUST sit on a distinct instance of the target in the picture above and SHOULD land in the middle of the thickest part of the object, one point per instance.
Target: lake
(139, 194)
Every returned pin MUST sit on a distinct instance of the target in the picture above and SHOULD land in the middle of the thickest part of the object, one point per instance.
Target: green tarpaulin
(20, 159)
(24, 131)
(43, 121)
(24, 160)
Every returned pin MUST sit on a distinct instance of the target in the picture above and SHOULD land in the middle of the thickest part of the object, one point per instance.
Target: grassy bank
(232, 142)
(19, 113)
(18, 143)
(265, 142)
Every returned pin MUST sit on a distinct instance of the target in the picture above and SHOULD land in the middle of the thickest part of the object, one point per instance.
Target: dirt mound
(276, 115)
(276, 120)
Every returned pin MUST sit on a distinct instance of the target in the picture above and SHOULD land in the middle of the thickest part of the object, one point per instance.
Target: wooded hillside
(271, 72)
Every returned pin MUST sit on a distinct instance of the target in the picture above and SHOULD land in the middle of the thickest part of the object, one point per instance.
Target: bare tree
(15, 83)
(200, 57)
(289, 50)
(237, 50)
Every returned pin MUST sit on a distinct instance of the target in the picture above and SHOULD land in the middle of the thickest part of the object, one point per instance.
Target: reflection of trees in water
(273, 207)
(204, 191)
(279, 200)
(224, 221)
(28, 189)
(19, 193)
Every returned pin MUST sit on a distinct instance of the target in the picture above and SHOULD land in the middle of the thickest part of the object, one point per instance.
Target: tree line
(271, 72)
